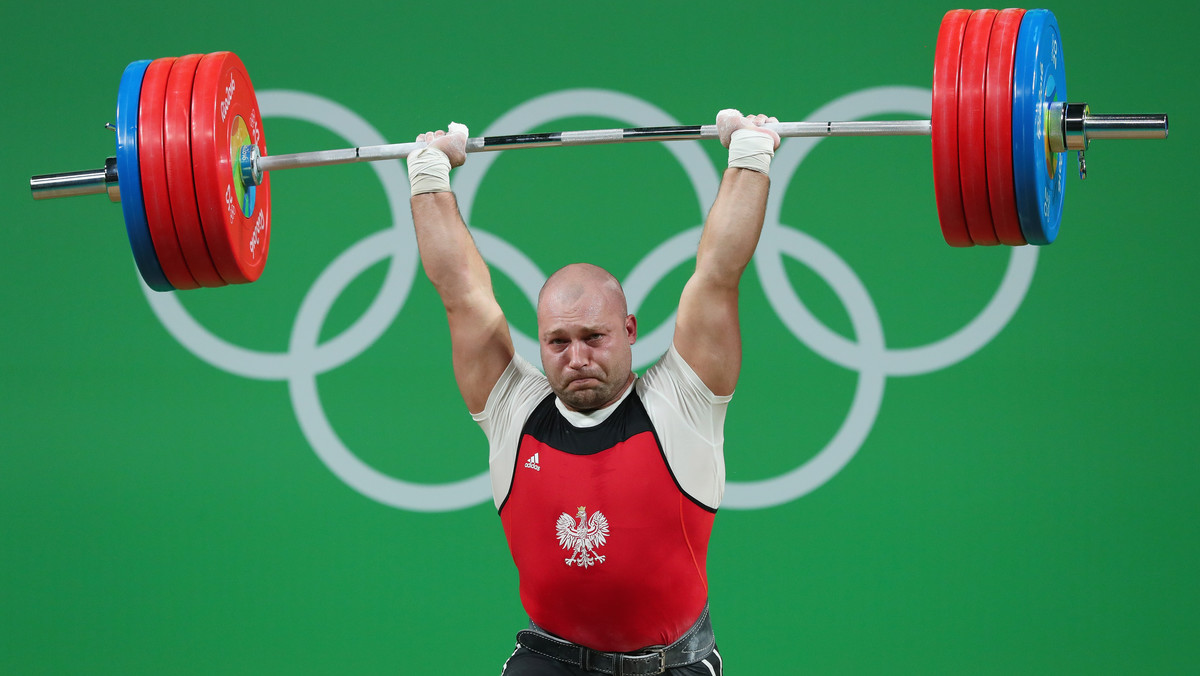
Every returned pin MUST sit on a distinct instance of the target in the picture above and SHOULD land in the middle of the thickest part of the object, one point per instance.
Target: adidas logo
(532, 463)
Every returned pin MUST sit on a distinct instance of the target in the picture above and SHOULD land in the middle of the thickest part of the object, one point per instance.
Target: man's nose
(578, 355)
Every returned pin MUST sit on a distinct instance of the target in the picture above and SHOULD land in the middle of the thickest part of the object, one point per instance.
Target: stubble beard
(590, 398)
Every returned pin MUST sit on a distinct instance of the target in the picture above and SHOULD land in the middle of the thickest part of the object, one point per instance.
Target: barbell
(191, 169)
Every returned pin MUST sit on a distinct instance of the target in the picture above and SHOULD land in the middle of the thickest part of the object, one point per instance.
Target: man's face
(586, 347)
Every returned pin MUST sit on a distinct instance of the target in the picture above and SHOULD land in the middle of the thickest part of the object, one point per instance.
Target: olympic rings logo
(306, 358)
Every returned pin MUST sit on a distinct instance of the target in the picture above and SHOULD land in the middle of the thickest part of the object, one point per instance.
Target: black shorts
(525, 662)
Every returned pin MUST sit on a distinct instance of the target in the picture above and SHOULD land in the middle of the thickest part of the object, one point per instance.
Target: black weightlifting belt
(692, 647)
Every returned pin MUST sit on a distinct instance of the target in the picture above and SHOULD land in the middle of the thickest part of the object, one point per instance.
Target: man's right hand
(452, 142)
(429, 167)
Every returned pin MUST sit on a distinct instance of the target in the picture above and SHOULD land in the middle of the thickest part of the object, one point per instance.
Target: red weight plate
(944, 120)
(153, 164)
(225, 116)
(177, 124)
(972, 161)
(998, 121)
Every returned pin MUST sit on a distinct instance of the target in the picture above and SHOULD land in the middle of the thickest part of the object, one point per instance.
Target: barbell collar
(1074, 127)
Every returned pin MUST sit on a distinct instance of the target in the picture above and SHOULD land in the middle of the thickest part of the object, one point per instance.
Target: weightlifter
(607, 483)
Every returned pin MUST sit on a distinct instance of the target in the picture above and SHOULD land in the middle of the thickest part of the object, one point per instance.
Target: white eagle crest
(583, 538)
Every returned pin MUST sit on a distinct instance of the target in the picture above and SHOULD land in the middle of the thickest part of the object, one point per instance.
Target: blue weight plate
(1039, 79)
(129, 176)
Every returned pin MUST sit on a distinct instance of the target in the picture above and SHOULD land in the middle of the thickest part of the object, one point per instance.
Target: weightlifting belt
(690, 648)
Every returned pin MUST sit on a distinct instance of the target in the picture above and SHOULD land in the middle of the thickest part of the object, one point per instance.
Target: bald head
(586, 335)
(582, 283)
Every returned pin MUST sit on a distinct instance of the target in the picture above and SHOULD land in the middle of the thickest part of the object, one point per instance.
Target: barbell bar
(252, 166)
(197, 208)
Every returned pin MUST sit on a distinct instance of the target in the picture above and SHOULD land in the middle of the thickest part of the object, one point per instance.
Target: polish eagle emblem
(582, 537)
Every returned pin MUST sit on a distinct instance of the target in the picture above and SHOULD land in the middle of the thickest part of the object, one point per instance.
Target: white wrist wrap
(428, 171)
(749, 149)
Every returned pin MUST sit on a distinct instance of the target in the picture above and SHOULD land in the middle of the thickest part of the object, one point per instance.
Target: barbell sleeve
(1125, 127)
(74, 183)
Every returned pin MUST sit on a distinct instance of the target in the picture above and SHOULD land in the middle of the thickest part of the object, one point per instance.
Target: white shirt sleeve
(690, 421)
(518, 391)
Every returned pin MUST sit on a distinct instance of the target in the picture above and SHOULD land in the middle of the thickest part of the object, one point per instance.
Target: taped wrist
(428, 171)
(749, 149)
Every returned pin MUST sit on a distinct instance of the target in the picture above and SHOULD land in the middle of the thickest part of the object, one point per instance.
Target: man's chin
(583, 399)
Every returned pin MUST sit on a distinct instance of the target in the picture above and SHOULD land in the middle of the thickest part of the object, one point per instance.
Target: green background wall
(1027, 506)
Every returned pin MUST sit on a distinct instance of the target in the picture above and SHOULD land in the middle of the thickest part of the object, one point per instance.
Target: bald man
(606, 483)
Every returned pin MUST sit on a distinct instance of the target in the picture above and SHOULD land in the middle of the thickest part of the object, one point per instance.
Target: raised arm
(707, 334)
(481, 345)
